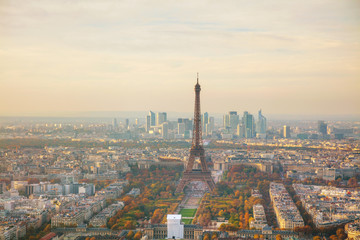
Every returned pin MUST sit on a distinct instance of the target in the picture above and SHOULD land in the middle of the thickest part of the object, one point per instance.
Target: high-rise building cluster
(244, 127)
(208, 124)
(158, 125)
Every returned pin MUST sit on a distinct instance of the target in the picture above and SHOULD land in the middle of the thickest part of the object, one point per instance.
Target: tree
(33, 180)
(157, 216)
(221, 213)
(340, 233)
(214, 236)
(246, 218)
(279, 237)
(137, 235)
(130, 234)
(222, 227)
(353, 182)
(207, 236)
(127, 200)
(56, 180)
(334, 237)
(47, 228)
(316, 238)
(306, 229)
(129, 225)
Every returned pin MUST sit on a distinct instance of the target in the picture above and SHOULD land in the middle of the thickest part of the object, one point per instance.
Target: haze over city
(61, 58)
(187, 120)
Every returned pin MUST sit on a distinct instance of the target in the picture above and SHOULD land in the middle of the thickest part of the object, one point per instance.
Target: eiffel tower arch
(196, 152)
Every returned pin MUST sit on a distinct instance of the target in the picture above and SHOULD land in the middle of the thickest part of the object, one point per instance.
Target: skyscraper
(210, 126)
(248, 125)
(231, 120)
(161, 117)
(185, 127)
(226, 121)
(205, 119)
(152, 118)
(164, 130)
(148, 123)
(181, 128)
(286, 131)
(116, 126)
(261, 124)
(322, 128)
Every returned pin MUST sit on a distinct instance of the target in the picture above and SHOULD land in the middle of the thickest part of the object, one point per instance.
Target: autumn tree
(129, 225)
(207, 236)
(334, 237)
(353, 182)
(157, 216)
(33, 180)
(47, 228)
(137, 235)
(130, 235)
(222, 227)
(214, 236)
(340, 233)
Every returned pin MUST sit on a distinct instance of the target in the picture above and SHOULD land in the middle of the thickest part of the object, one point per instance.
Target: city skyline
(287, 58)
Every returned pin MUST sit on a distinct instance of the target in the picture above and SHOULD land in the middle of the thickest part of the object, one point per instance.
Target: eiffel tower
(196, 152)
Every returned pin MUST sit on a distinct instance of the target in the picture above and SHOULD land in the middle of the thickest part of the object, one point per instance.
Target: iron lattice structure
(196, 152)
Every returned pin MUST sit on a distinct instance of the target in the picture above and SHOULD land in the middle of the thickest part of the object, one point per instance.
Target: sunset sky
(285, 57)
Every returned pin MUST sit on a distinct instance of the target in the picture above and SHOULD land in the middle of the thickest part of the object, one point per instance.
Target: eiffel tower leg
(203, 163)
(190, 164)
(180, 187)
(211, 184)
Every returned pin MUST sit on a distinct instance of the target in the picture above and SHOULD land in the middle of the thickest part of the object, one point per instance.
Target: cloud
(127, 55)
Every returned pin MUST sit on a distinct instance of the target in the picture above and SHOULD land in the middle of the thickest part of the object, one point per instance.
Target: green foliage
(187, 212)
(156, 199)
(232, 199)
(130, 235)
(33, 234)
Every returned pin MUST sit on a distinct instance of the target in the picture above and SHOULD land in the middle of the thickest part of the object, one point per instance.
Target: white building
(88, 189)
(18, 185)
(259, 220)
(175, 230)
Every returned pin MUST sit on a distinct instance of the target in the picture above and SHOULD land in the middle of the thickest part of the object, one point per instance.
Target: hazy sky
(286, 57)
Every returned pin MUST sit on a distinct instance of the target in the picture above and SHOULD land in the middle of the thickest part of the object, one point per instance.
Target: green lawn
(188, 212)
(187, 221)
